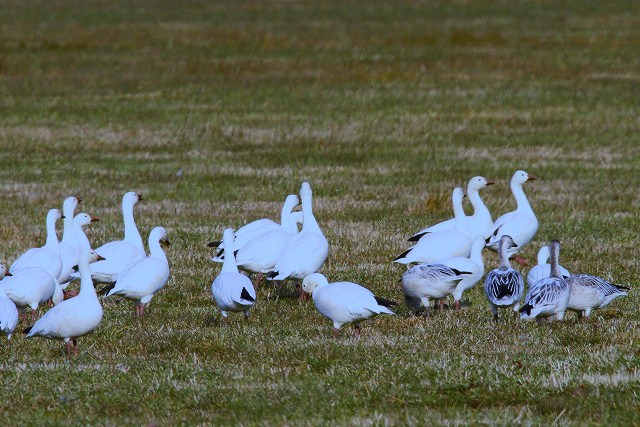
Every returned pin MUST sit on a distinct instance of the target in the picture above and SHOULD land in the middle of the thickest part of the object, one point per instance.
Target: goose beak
(140, 197)
(490, 183)
(531, 178)
(212, 244)
(101, 258)
(62, 217)
(8, 274)
(94, 219)
(165, 242)
(79, 199)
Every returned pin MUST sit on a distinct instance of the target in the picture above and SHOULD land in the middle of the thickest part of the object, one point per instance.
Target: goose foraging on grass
(69, 243)
(543, 270)
(344, 302)
(548, 296)
(450, 276)
(120, 254)
(48, 256)
(479, 223)
(82, 243)
(250, 231)
(144, 279)
(76, 316)
(591, 293)
(447, 244)
(8, 310)
(520, 224)
(232, 290)
(504, 286)
(306, 251)
(30, 287)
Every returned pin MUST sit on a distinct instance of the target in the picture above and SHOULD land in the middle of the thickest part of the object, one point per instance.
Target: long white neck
(521, 198)
(543, 255)
(82, 242)
(52, 237)
(68, 235)
(479, 208)
(460, 217)
(504, 256)
(309, 222)
(157, 252)
(131, 233)
(476, 253)
(229, 263)
(292, 222)
(86, 283)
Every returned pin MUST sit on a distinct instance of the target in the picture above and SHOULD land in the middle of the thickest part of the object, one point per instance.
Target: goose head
(520, 177)
(227, 238)
(54, 215)
(291, 202)
(159, 234)
(543, 254)
(507, 242)
(4, 272)
(457, 195)
(312, 281)
(84, 219)
(305, 191)
(90, 255)
(131, 198)
(70, 204)
(477, 183)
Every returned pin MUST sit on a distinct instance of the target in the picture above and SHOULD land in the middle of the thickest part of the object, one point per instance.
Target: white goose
(30, 287)
(232, 290)
(144, 279)
(305, 252)
(69, 243)
(76, 316)
(260, 254)
(504, 286)
(81, 242)
(548, 296)
(8, 310)
(450, 276)
(48, 256)
(591, 293)
(543, 270)
(520, 224)
(120, 253)
(256, 228)
(479, 223)
(447, 244)
(344, 302)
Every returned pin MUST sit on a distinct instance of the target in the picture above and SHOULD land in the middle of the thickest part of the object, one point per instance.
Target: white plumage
(232, 290)
(48, 256)
(8, 310)
(120, 254)
(548, 296)
(543, 270)
(306, 251)
(479, 223)
(504, 286)
(69, 244)
(30, 287)
(591, 293)
(143, 280)
(344, 302)
(73, 253)
(520, 224)
(447, 244)
(74, 317)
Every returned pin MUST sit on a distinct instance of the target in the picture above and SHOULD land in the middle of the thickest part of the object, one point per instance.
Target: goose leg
(523, 262)
(456, 305)
(75, 347)
(33, 315)
(336, 332)
(258, 280)
(441, 303)
(356, 331)
(68, 345)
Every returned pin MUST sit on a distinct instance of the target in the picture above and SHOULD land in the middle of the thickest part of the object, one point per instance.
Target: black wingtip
(460, 273)
(385, 302)
(625, 288)
(107, 288)
(526, 308)
(75, 268)
(487, 240)
(235, 253)
(214, 244)
(245, 295)
(27, 330)
(416, 237)
(402, 255)
(272, 275)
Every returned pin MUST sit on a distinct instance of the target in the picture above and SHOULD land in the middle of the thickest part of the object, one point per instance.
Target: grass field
(384, 107)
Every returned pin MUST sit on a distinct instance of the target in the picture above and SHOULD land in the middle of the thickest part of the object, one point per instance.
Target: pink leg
(75, 347)
(356, 331)
(68, 344)
(33, 315)
(523, 262)
(336, 332)
(441, 304)
(456, 304)
(258, 280)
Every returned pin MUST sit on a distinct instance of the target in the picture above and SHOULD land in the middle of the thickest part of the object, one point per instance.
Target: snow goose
(69, 243)
(30, 287)
(344, 302)
(447, 244)
(504, 285)
(46, 257)
(590, 293)
(450, 276)
(260, 254)
(256, 228)
(548, 296)
(81, 242)
(120, 254)
(144, 279)
(520, 224)
(232, 290)
(305, 252)
(479, 223)
(543, 270)
(8, 310)
(76, 316)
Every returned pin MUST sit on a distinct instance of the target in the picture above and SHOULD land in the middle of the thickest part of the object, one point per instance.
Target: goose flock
(444, 260)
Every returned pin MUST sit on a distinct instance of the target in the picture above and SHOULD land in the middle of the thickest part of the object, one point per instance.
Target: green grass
(384, 108)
